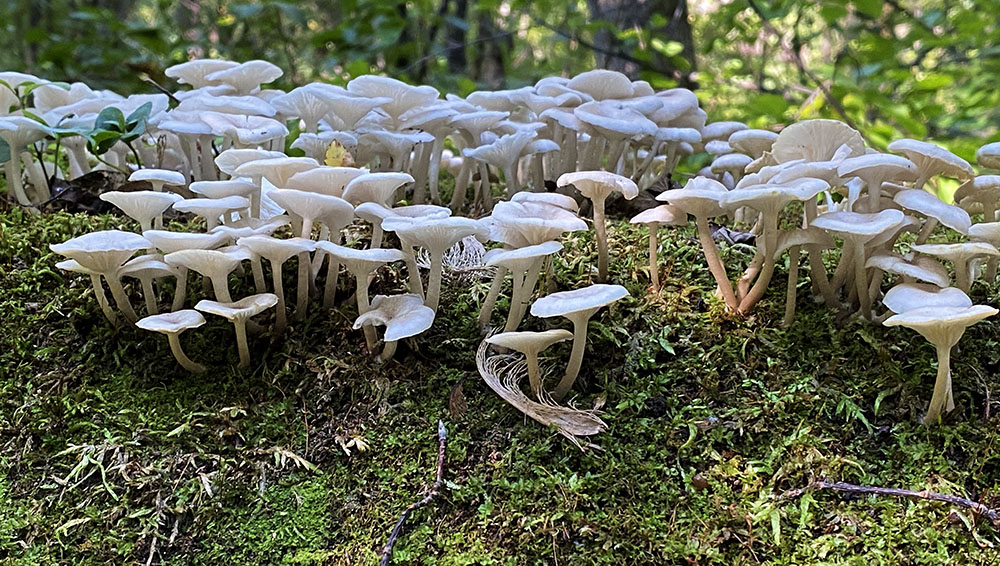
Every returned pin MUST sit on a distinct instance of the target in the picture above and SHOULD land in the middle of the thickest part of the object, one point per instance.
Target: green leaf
(110, 118)
(4, 152)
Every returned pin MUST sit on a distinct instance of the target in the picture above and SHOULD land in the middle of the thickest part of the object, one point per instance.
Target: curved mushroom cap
(403, 96)
(402, 315)
(103, 251)
(169, 242)
(932, 159)
(986, 232)
(859, 225)
(719, 147)
(752, 142)
(585, 300)
(172, 322)
(222, 189)
(816, 140)
(252, 227)
(239, 310)
(475, 123)
(247, 77)
(811, 236)
(555, 199)
(731, 163)
(909, 296)
(930, 206)
(310, 205)
(75, 267)
(922, 268)
(530, 342)
(161, 176)
(520, 259)
(277, 170)
(700, 197)
(613, 121)
(526, 223)
(721, 130)
(941, 325)
(141, 206)
(878, 167)
(194, 109)
(770, 198)
(150, 265)
(19, 131)
(209, 263)
(274, 249)
(212, 207)
(666, 214)
(989, 155)
(194, 72)
(324, 180)
(601, 84)
(503, 152)
(958, 252)
(982, 188)
(364, 261)
(375, 187)
(228, 161)
(436, 234)
(376, 213)
(597, 185)
(246, 130)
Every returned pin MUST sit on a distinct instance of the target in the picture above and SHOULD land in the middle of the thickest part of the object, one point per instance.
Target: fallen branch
(387, 549)
(978, 508)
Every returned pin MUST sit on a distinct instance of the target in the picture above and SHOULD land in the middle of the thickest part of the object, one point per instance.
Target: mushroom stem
(519, 301)
(302, 287)
(415, 284)
(817, 272)
(861, 281)
(12, 170)
(601, 234)
(281, 322)
(575, 359)
(942, 399)
(534, 375)
(929, 225)
(491, 298)
(102, 299)
(388, 350)
(511, 180)
(962, 277)
(330, 289)
(770, 231)
(121, 299)
(420, 171)
(654, 272)
(376, 236)
(793, 279)
(258, 275)
(149, 295)
(363, 306)
(180, 291)
(715, 264)
(241, 342)
(433, 170)
(185, 362)
(485, 191)
(434, 282)
(518, 279)
(461, 186)
(220, 286)
(538, 173)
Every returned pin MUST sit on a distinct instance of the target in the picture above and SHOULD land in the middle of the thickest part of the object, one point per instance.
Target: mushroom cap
(857, 225)
(989, 155)
(721, 130)
(555, 199)
(986, 232)
(909, 296)
(929, 205)
(520, 259)
(612, 120)
(150, 265)
(402, 315)
(403, 96)
(252, 227)
(752, 142)
(922, 268)
(718, 147)
(878, 167)
(978, 189)
(168, 242)
(247, 77)
(932, 159)
(75, 267)
(529, 342)
(212, 206)
(585, 301)
(247, 130)
(275, 249)
(194, 72)
(277, 170)
(228, 161)
(209, 263)
(221, 189)
(666, 214)
(941, 325)
(731, 162)
(526, 223)
(375, 187)
(310, 205)
(19, 131)
(365, 261)
(475, 123)
(141, 206)
(816, 140)
(435, 234)
(700, 197)
(503, 152)
(958, 252)
(601, 84)
(103, 251)
(811, 236)
(597, 185)
(348, 109)
(172, 322)
(771, 198)
(239, 310)
(376, 213)
(200, 107)
(324, 180)
(165, 176)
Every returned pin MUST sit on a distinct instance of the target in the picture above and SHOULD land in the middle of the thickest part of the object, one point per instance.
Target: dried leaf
(338, 156)
(456, 402)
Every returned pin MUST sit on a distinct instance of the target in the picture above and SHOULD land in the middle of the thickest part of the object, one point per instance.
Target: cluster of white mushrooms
(776, 182)
(372, 153)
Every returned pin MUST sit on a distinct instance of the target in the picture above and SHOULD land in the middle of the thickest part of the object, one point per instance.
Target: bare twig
(978, 508)
(435, 489)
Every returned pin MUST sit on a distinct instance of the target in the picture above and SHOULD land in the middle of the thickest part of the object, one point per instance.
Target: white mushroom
(173, 324)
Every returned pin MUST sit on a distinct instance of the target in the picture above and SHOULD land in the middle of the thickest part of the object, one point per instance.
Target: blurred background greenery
(926, 69)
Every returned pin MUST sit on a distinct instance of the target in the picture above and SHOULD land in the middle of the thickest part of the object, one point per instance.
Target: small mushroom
(159, 178)
(145, 207)
(598, 186)
(172, 324)
(578, 306)
(653, 218)
(277, 252)
(146, 268)
(932, 160)
(239, 313)
(961, 255)
(212, 208)
(214, 265)
(402, 315)
(530, 344)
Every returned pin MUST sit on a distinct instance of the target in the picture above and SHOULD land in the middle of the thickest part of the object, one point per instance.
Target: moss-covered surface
(108, 448)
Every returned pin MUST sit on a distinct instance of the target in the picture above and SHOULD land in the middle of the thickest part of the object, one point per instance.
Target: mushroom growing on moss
(402, 315)
(598, 186)
(530, 344)
(239, 313)
(653, 218)
(172, 324)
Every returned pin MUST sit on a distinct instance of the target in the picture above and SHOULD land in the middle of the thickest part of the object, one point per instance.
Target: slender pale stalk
(511, 180)
(485, 194)
(519, 301)
(942, 399)
(413, 281)
(302, 287)
(149, 295)
(420, 171)
(534, 374)
(963, 279)
(925, 232)
(258, 275)
(220, 287)
(538, 173)
(388, 350)
(364, 305)
(241, 342)
(491, 297)
(281, 322)
(185, 362)
(601, 235)
(208, 170)
(461, 185)
(12, 170)
(330, 289)
(102, 299)
(715, 264)
(861, 281)
(180, 291)
(770, 230)
(793, 280)
(654, 270)
(121, 299)
(580, 320)
(516, 298)
(434, 281)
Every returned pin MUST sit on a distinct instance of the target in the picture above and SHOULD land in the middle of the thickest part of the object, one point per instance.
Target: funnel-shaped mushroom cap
(194, 73)
(222, 189)
(274, 249)
(436, 234)
(929, 205)
(159, 176)
(878, 167)
(989, 155)
(240, 310)
(172, 322)
(983, 188)
(228, 161)
(859, 226)
(246, 130)
(941, 325)
(719, 147)
(932, 160)
(601, 84)
(252, 227)
(277, 170)
(169, 242)
(376, 213)
(502, 153)
(770, 198)
(598, 185)
(19, 131)
(529, 342)
(986, 232)
(564, 202)
(150, 265)
(213, 264)
(586, 300)
(310, 205)
(699, 198)
(721, 130)
(527, 223)
(475, 123)
(306, 102)
(212, 207)
(102, 252)
(75, 267)
(520, 259)
(194, 109)
(811, 236)
(375, 187)
(401, 315)
(347, 110)
(613, 121)
(324, 180)
(909, 296)
(922, 268)
(361, 261)
(141, 206)
(958, 252)
(816, 140)
(403, 96)
(752, 142)
(732, 163)
(247, 77)
(665, 214)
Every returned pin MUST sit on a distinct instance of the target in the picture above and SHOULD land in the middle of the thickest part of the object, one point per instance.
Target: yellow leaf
(338, 156)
